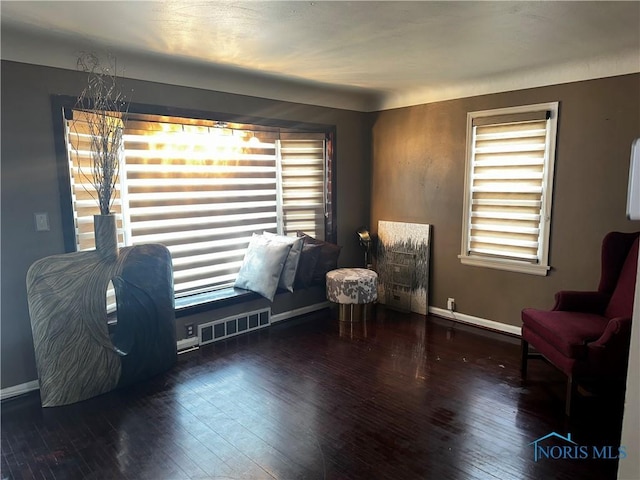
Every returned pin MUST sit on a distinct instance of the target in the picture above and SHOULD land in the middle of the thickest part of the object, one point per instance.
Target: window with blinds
(508, 188)
(303, 174)
(202, 188)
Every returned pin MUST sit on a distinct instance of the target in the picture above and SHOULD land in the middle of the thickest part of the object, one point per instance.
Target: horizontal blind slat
(202, 234)
(510, 119)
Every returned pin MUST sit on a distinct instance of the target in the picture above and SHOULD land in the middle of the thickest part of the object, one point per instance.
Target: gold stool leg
(344, 312)
(355, 312)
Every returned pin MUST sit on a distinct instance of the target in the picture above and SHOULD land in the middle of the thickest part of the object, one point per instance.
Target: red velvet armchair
(586, 335)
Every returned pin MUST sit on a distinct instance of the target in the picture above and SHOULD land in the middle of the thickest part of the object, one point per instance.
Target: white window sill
(504, 264)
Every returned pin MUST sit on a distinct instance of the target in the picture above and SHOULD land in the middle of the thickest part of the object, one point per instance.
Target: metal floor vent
(231, 326)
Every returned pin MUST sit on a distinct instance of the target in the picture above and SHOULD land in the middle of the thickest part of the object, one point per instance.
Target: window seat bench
(202, 302)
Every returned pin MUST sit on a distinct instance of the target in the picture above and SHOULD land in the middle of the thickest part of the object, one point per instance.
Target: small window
(508, 188)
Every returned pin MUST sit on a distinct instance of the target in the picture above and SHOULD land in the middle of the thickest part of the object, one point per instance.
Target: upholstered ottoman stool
(354, 290)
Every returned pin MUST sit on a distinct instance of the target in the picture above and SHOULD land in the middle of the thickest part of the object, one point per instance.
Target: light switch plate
(42, 221)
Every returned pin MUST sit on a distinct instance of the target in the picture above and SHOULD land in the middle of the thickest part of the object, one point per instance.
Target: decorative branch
(105, 108)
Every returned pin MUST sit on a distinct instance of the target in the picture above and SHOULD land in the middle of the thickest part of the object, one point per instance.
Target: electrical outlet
(451, 304)
(189, 330)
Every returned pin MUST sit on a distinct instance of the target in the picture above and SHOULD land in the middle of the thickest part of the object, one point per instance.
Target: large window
(202, 188)
(508, 188)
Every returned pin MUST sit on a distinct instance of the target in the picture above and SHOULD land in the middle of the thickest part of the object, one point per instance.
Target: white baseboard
(21, 389)
(278, 317)
(476, 321)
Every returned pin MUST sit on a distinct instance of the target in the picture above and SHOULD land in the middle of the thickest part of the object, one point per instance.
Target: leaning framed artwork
(403, 265)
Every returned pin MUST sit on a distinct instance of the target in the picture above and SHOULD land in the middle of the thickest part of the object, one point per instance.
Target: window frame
(541, 267)
(62, 104)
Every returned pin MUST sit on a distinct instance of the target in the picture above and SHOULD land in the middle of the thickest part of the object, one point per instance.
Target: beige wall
(415, 174)
(418, 176)
(29, 180)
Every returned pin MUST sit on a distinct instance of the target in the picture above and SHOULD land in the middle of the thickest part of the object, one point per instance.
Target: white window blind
(303, 169)
(508, 188)
(202, 191)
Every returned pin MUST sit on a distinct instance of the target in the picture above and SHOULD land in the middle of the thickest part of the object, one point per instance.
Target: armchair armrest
(618, 330)
(588, 302)
(609, 354)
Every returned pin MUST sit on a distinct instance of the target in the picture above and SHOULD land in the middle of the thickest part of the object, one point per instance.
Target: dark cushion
(306, 265)
(621, 303)
(327, 260)
(568, 332)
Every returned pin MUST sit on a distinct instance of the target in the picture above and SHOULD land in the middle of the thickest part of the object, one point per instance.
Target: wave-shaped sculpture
(75, 355)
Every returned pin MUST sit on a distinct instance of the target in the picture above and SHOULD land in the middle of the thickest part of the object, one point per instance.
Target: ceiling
(358, 55)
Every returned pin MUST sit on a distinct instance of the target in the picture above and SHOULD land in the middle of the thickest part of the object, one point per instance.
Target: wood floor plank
(400, 397)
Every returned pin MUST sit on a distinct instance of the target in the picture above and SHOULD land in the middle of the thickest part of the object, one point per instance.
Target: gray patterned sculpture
(75, 355)
(404, 251)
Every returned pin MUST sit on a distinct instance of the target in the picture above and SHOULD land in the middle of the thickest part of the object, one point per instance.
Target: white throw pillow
(288, 276)
(262, 266)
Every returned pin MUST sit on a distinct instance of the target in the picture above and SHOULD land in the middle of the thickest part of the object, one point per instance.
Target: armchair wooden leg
(524, 358)
(571, 387)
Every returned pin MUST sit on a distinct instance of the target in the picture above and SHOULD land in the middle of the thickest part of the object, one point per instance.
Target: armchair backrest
(618, 278)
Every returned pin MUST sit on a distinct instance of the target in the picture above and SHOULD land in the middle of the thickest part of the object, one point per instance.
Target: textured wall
(418, 176)
(30, 184)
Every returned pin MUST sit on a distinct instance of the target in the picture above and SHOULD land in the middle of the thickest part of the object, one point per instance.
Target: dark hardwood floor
(400, 397)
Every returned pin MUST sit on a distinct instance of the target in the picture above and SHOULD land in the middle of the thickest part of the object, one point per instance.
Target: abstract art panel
(403, 265)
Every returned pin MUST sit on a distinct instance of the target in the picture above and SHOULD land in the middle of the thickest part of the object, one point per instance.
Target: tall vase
(104, 227)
